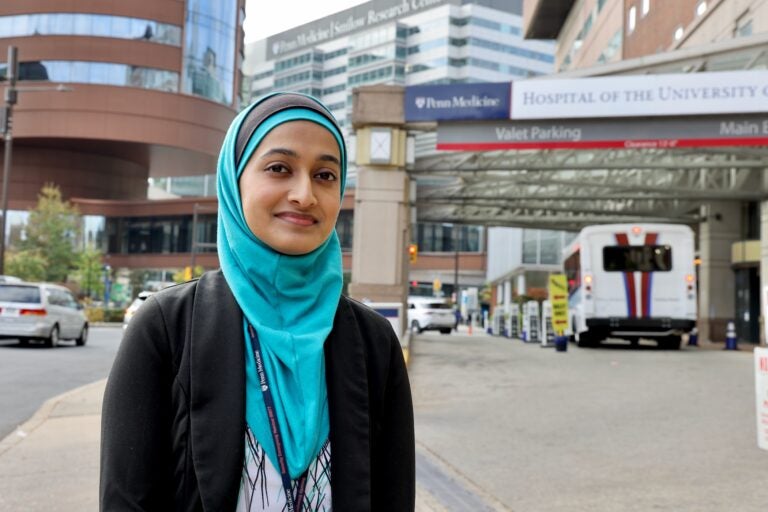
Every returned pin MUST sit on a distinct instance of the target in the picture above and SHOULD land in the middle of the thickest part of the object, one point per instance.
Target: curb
(452, 472)
(40, 416)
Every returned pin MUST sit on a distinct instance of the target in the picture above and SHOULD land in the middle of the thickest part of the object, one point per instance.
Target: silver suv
(44, 311)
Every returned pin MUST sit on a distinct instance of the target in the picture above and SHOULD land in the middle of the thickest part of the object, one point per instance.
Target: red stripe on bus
(629, 280)
(645, 282)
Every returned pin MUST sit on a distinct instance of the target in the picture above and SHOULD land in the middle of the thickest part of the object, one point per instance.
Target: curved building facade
(153, 86)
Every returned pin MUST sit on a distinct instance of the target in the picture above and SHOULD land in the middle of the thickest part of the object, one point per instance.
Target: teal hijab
(291, 301)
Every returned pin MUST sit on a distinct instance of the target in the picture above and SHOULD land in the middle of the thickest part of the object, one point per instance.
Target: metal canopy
(569, 189)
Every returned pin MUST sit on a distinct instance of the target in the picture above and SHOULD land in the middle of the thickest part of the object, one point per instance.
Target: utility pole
(456, 241)
(11, 96)
(6, 128)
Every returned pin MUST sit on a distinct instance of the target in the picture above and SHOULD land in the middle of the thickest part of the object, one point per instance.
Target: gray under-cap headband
(271, 105)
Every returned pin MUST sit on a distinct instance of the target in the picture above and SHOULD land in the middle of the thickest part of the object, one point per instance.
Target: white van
(631, 281)
(43, 311)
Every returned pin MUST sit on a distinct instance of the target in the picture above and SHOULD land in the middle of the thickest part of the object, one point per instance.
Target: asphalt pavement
(500, 426)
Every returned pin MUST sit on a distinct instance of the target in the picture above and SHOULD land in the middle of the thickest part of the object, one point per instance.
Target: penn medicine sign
(346, 22)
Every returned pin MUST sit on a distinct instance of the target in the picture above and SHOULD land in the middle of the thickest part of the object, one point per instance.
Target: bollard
(730, 337)
(561, 343)
(693, 338)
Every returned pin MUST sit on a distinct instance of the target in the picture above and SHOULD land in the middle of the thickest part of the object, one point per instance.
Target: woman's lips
(297, 218)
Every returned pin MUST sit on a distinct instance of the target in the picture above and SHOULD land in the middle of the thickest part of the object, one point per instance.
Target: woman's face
(290, 187)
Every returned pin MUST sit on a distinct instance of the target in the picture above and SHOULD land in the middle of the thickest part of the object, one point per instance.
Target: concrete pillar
(764, 271)
(717, 294)
(382, 210)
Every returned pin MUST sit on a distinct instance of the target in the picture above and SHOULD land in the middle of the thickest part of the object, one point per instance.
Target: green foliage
(89, 274)
(29, 265)
(104, 314)
(51, 231)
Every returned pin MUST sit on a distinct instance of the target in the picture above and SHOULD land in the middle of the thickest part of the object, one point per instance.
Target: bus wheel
(584, 339)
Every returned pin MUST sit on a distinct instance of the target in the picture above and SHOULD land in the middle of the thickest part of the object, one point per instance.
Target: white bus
(631, 281)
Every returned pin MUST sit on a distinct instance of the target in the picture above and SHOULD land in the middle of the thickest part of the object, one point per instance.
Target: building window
(209, 49)
(101, 73)
(433, 237)
(344, 229)
(743, 26)
(93, 25)
(701, 8)
(679, 33)
(632, 19)
(612, 48)
(159, 235)
(646, 6)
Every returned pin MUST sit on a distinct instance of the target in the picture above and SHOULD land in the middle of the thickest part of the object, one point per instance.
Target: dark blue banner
(457, 102)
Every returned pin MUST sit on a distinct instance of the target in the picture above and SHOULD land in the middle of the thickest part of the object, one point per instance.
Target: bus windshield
(637, 258)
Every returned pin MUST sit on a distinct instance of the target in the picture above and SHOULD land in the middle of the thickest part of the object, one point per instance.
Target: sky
(264, 18)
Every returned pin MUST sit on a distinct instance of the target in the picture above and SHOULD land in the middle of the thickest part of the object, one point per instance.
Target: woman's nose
(302, 193)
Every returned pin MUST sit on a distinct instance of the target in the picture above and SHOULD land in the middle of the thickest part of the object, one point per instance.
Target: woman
(259, 386)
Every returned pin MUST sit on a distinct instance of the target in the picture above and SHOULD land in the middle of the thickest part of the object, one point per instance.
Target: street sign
(558, 296)
(761, 395)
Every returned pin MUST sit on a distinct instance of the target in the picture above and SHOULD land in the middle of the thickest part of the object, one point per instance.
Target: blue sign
(457, 102)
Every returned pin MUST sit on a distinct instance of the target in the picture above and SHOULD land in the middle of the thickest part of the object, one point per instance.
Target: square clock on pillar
(381, 145)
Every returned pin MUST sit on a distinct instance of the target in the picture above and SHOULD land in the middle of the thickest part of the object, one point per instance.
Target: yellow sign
(558, 296)
(437, 285)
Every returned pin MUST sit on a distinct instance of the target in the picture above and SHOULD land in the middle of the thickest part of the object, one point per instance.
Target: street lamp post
(6, 127)
(7, 121)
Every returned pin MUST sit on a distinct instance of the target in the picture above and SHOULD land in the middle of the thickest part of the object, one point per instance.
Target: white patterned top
(261, 487)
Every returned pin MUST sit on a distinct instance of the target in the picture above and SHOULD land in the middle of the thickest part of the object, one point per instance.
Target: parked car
(137, 302)
(429, 313)
(10, 279)
(32, 311)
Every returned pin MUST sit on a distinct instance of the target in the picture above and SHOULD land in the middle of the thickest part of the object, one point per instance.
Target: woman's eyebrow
(329, 158)
(280, 151)
(293, 154)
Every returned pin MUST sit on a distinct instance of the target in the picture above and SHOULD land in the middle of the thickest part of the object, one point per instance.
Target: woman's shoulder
(180, 300)
(187, 291)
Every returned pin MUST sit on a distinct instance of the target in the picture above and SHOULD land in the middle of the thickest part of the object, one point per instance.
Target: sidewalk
(51, 462)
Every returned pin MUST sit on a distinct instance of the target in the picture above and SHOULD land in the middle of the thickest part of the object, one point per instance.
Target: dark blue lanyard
(294, 504)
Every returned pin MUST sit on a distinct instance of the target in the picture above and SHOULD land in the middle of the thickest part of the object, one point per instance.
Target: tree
(28, 265)
(89, 274)
(51, 232)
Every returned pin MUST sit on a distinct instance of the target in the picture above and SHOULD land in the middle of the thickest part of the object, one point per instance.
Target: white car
(429, 313)
(30, 311)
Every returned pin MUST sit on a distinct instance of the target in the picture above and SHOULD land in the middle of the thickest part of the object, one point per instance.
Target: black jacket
(174, 408)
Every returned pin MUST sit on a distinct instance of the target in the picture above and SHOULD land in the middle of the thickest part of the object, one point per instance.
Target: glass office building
(396, 42)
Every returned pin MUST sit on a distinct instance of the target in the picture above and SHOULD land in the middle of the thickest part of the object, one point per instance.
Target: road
(501, 425)
(596, 430)
(31, 375)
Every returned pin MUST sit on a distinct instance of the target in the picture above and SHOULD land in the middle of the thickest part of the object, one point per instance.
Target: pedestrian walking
(259, 387)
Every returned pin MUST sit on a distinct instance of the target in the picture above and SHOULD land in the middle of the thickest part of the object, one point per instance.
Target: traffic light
(413, 252)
